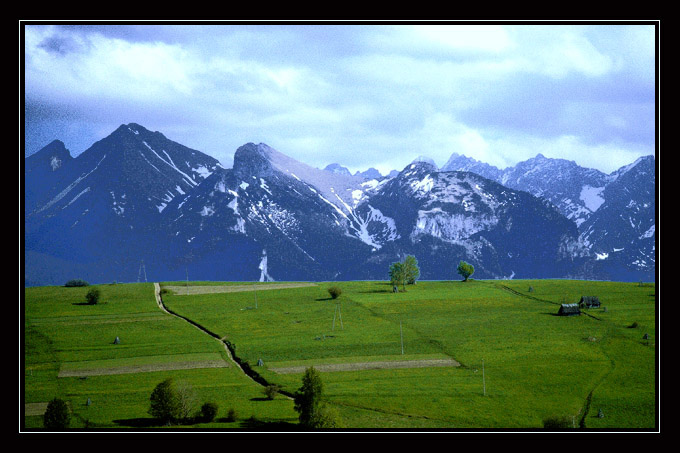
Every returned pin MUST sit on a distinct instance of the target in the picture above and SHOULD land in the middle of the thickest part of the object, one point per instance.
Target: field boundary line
(526, 296)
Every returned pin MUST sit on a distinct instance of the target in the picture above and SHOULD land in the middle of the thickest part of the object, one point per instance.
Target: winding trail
(243, 366)
(586, 406)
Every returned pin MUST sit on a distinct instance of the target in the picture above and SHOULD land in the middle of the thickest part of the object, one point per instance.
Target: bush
(57, 415)
(271, 391)
(557, 422)
(76, 282)
(92, 296)
(326, 417)
(334, 291)
(231, 415)
(208, 412)
(633, 326)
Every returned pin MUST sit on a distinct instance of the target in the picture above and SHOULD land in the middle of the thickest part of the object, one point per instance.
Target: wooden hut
(589, 302)
(569, 310)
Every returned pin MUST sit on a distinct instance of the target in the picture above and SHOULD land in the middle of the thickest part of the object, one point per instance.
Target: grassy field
(519, 362)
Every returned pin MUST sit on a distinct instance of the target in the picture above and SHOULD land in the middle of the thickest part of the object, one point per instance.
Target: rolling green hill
(506, 360)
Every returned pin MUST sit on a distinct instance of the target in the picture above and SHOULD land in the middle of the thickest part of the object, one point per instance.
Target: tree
(465, 270)
(334, 291)
(411, 269)
(165, 403)
(188, 400)
(92, 296)
(75, 282)
(57, 415)
(308, 398)
(398, 274)
(208, 412)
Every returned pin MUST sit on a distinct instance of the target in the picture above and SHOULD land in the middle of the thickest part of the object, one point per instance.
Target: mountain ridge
(136, 196)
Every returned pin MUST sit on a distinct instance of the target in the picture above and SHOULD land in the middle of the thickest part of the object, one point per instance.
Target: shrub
(326, 417)
(231, 415)
(208, 411)
(76, 282)
(557, 422)
(633, 326)
(334, 291)
(92, 296)
(271, 391)
(57, 415)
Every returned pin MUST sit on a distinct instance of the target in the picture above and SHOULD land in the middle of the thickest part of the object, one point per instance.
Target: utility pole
(340, 316)
(334, 312)
(255, 299)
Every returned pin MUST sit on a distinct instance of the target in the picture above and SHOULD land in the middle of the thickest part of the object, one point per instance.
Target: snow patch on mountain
(70, 187)
(171, 164)
(450, 227)
(592, 197)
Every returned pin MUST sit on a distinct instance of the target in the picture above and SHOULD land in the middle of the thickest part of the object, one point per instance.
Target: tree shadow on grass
(138, 422)
(255, 424)
(323, 298)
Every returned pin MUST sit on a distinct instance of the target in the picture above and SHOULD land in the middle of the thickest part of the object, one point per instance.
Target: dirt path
(193, 290)
(370, 366)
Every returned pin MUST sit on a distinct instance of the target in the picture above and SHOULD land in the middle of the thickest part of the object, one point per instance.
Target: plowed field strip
(144, 368)
(370, 366)
(193, 290)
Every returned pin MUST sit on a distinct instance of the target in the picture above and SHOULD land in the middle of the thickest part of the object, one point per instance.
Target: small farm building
(569, 310)
(589, 302)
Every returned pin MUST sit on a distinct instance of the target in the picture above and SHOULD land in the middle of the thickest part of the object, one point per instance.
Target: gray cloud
(358, 95)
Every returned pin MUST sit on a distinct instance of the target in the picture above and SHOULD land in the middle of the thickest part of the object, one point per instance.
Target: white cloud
(361, 96)
(469, 38)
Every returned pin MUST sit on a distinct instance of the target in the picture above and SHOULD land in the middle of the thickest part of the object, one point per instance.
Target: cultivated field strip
(370, 366)
(195, 290)
(143, 368)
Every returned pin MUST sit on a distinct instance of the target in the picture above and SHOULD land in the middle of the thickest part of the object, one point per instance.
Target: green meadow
(518, 362)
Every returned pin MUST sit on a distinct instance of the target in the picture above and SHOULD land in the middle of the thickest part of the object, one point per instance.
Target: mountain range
(139, 206)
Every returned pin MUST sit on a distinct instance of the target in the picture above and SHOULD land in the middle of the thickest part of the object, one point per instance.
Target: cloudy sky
(360, 95)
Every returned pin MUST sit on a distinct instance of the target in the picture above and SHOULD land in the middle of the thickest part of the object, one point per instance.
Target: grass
(536, 365)
(61, 334)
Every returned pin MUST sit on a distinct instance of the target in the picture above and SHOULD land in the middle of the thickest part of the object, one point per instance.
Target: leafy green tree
(57, 415)
(308, 398)
(208, 412)
(411, 269)
(465, 270)
(92, 296)
(334, 291)
(165, 402)
(398, 274)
